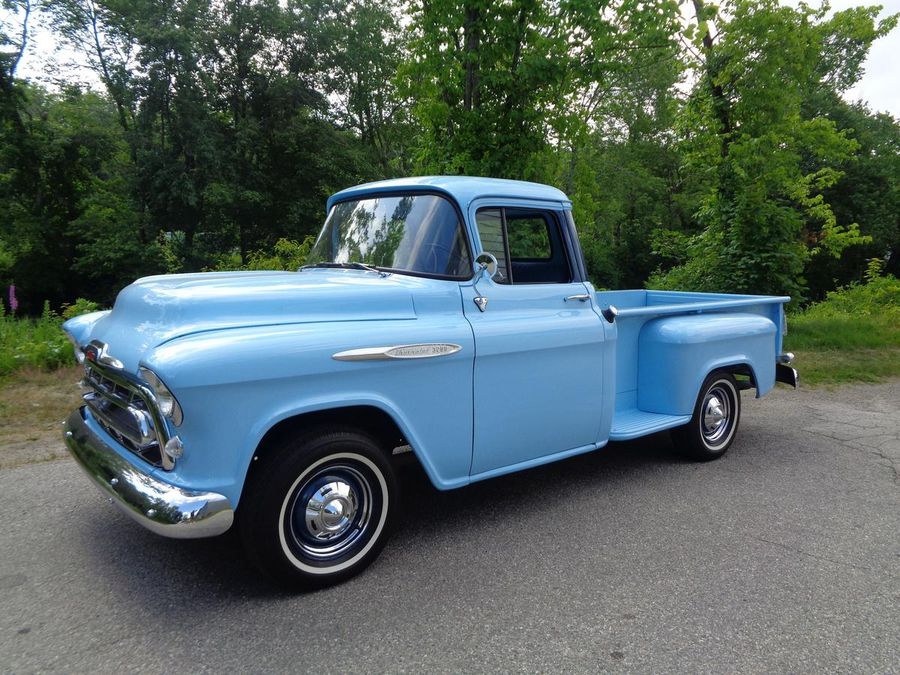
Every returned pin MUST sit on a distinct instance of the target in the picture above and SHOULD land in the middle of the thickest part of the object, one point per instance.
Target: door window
(527, 243)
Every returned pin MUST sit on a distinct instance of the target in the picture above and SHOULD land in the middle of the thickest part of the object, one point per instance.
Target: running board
(634, 423)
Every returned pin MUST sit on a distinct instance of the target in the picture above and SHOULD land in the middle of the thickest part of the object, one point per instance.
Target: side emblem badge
(481, 302)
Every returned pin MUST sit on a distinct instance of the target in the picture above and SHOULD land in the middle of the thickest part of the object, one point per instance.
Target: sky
(879, 86)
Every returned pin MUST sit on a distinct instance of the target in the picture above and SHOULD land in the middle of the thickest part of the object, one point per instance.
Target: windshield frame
(415, 192)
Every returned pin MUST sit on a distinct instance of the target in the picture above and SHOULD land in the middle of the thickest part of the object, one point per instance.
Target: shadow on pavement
(145, 563)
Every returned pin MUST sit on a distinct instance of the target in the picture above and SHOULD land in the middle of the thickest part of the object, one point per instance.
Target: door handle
(582, 297)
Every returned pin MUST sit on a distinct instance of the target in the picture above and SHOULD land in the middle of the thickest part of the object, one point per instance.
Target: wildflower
(13, 301)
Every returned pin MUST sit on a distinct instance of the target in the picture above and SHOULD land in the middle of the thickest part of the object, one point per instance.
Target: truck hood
(154, 310)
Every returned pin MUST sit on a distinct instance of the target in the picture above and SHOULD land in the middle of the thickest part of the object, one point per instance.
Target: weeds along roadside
(851, 336)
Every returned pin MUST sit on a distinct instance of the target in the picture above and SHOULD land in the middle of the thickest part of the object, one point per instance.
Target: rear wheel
(715, 420)
(320, 510)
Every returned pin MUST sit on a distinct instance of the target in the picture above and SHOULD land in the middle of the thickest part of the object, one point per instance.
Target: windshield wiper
(346, 266)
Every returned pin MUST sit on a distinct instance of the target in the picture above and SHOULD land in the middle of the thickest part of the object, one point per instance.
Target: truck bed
(638, 413)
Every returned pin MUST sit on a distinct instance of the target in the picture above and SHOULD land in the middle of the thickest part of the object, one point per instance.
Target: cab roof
(464, 189)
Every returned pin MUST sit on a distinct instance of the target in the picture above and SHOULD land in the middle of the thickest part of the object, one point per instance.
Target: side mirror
(486, 265)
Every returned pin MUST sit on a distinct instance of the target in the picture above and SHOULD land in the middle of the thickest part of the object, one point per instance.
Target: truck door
(538, 341)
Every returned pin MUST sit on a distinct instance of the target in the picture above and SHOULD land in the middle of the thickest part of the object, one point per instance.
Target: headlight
(168, 406)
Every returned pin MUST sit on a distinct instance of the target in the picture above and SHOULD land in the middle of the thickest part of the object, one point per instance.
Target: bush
(38, 343)
(287, 254)
(859, 316)
(878, 296)
(79, 307)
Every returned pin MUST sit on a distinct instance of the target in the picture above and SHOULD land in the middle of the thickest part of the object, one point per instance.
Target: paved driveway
(783, 556)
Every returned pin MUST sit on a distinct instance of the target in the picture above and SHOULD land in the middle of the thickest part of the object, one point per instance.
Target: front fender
(236, 385)
(445, 475)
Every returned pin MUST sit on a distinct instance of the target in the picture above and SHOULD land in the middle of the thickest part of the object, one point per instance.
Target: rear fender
(676, 353)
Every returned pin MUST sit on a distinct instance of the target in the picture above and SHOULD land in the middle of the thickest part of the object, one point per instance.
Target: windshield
(421, 234)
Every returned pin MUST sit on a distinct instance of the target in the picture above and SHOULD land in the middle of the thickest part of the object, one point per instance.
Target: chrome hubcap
(331, 510)
(716, 415)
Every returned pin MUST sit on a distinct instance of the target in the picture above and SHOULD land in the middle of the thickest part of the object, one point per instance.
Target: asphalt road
(783, 556)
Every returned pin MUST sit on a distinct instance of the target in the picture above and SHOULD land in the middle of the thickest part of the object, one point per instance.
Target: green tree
(62, 165)
(868, 193)
(500, 87)
(768, 166)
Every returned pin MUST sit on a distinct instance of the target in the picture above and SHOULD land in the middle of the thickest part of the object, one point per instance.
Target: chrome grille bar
(127, 409)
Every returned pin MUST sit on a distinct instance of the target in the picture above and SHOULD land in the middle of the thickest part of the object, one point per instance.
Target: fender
(676, 353)
(359, 399)
(235, 385)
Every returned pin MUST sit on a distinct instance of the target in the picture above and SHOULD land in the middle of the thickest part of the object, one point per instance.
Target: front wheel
(320, 510)
(715, 420)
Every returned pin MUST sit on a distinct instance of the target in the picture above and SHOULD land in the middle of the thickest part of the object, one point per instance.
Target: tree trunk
(721, 106)
(472, 43)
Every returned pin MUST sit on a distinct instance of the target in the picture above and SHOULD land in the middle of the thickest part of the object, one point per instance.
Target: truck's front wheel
(320, 510)
(715, 420)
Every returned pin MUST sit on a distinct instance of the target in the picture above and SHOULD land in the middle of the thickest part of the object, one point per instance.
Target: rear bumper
(160, 507)
(784, 373)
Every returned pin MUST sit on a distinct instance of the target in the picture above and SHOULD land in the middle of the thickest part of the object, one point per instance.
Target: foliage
(35, 343)
(880, 296)
(287, 254)
(39, 343)
(769, 161)
(711, 154)
(79, 307)
(854, 334)
(525, 74)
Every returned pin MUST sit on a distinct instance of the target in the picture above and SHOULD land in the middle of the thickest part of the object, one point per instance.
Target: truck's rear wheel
(714, 423)
(320, 510)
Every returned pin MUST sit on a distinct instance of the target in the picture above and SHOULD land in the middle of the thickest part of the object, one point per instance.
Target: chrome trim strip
(146, 439)
(422, 350)
(160, 507)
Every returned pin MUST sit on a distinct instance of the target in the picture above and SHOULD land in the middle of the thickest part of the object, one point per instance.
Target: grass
(853, 336)
(33, 404)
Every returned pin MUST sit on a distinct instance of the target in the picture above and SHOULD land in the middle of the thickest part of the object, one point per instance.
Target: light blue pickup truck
(451, 315)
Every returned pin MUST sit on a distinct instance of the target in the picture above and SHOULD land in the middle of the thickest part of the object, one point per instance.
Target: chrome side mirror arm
(486, 267)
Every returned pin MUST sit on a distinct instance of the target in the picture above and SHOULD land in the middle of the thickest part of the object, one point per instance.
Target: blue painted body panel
(461, 189)
(536, 378)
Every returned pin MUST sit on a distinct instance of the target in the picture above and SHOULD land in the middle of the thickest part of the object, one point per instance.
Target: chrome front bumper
(162, 508)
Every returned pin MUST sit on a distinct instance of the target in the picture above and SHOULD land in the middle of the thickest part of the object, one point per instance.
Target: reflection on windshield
(415, 233)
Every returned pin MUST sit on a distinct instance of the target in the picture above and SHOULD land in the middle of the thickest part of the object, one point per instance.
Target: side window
(529, 237)
(493, 240)
(528, 245)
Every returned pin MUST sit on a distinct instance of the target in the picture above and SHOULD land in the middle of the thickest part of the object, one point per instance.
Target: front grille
(123, 414)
